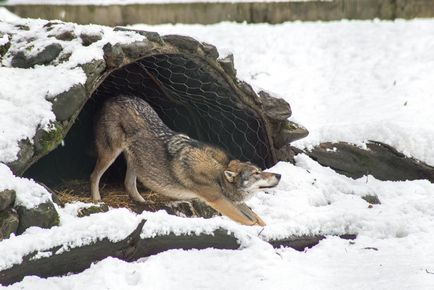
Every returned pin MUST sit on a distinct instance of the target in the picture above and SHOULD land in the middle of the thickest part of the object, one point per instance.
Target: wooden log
(131, 248)
(380, 160)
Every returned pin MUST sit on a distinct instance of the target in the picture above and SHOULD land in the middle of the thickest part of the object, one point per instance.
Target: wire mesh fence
(192, 98)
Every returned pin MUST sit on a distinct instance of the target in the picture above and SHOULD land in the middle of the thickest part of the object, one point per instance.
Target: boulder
(66, 104)
(286, 132)
(44, 216)
(276, 109)
(89, 38)
(7, 198)
(227, 63)
(378, 159)
(8, 223)
(44, 57)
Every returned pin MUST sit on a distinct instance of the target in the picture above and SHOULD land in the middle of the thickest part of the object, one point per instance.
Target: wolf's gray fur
(172, 164)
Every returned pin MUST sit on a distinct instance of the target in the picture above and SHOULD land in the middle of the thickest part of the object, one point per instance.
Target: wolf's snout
(278, 176)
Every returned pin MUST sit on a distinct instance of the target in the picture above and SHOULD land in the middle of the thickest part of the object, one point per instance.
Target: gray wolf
(173, 164)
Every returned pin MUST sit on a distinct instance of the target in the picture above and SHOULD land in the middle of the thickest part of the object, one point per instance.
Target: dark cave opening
(189, 96)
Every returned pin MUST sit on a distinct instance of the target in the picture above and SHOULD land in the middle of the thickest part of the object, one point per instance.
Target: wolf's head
(248, 178)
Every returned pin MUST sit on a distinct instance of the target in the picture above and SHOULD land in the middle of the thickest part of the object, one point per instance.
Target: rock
(247, 89)
(137, 49)
(64, 57)
(47, 55)
(371, 199)
(286, 153)
(89, 38)
(68, 103)
(87, 211)
(66, 35)
(50, 24)
(4, 47)
(275, 108)
(43, 216)
(93, 71)
(45, 141)
(150, 35)
(287, 132)
(20, 60)
(210, 50)
(24, 157)
(380, 160)
(22, 27)
(227, 63)
(7, 198)
(113, 55)
(8, 223)
(182, 42)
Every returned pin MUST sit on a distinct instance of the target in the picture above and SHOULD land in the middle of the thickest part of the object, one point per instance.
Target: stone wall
(207, 13)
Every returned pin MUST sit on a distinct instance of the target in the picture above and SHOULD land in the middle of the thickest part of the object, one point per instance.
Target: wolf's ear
(230, 175)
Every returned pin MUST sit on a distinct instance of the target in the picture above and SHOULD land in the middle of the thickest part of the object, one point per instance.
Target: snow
(346, 81)
(6, 15)
(392, 250)
(28, 90)
(22, 92)
(28, 193)
(333, 264)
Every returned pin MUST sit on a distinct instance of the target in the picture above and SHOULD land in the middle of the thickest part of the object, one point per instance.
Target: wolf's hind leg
(131, 183)
(105, 159)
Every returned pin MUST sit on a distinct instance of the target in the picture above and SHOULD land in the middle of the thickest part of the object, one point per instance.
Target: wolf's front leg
(244, 215)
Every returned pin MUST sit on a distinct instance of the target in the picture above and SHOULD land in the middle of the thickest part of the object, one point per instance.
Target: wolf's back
(135, 115)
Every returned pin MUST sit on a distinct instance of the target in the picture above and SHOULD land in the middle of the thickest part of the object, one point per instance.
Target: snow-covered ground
(346, 81)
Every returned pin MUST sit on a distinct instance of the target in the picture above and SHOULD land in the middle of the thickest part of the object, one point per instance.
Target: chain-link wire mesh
(191, 97)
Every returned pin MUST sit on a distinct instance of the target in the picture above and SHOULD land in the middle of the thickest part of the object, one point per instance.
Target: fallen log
(56, 263)
(378, 159)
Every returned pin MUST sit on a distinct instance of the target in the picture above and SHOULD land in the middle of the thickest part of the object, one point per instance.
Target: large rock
(47, 55)
(4, 47)
(7, 198)
(68, 103)
(227, 63)
(8, 223)
(380, 160)
(286, 132)
(25, 156)
(275, 108)
(43, 216)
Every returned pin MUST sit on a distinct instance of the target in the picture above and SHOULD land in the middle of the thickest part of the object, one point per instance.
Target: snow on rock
(23, 104)
(24, 94)
(28, 193)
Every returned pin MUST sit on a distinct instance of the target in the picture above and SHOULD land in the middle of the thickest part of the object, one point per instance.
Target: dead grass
(114, 195)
